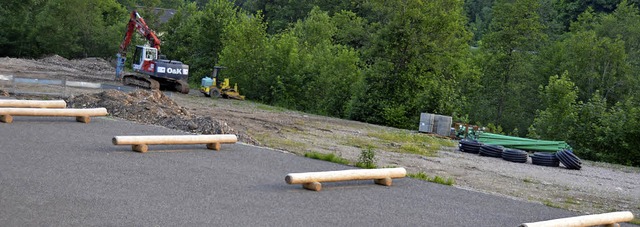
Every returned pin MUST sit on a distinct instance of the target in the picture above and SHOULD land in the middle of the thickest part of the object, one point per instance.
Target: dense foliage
(550, 69)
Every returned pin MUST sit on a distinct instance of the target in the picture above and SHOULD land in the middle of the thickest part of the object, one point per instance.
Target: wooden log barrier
(140, 143)
(33, 103)
(607, 219)
(311, 180)
(82, 115)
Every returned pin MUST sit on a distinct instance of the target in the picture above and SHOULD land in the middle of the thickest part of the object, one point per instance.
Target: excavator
(150, 69)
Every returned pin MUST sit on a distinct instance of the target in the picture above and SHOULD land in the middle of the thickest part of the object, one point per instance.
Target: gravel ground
(596, 188)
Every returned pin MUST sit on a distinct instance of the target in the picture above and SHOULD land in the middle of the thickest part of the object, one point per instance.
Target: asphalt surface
(58, 172)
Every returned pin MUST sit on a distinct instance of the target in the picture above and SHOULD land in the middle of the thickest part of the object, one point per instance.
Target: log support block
(6, 118)
(83, 119)
(311, 180)
(140, 148)
(384, 181)
(213, 146)
(313, 186)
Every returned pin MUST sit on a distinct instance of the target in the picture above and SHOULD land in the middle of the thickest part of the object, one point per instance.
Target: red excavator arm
(136, 23)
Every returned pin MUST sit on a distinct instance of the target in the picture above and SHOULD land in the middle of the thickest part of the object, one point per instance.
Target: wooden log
(382, 176)
(585, 220)
(174, 139)
(82, 115)
(33, 103)
(53, 112)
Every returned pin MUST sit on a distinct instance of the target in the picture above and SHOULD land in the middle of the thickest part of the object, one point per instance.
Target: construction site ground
(596, 188)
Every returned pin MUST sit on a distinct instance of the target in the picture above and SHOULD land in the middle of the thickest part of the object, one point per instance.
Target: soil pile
(154, 107)
(94, 66)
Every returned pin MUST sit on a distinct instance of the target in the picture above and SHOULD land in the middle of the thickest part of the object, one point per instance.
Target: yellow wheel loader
(211, 87)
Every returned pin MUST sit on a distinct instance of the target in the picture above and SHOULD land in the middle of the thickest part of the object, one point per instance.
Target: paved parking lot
(58, 172)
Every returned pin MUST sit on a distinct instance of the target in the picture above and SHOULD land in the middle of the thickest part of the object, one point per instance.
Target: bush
(367, 159)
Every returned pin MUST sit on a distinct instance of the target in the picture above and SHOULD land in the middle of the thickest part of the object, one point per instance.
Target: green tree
(569, 10)
(479, 14)
(608, 134)
(352, 29)
(594, 63)
(17, 19)
(245, 56)
(416, 56)
(180, 37)
(516, 34)
(559, 117)
(195, 36)
(76, 28)
(624, 24)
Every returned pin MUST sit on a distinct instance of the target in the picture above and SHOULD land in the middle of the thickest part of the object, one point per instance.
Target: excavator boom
(137, 23)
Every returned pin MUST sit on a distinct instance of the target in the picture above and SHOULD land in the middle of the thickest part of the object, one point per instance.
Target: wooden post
(33, 103)
(586, 220)
(311, 180)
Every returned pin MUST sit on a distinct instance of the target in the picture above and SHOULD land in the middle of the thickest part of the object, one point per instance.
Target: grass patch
(412, 143)
(635, 221)
(358, 142)
(269, 140)
(549, 203)
(366, 165)
(327, 157)
(571, 200)
(436, 179)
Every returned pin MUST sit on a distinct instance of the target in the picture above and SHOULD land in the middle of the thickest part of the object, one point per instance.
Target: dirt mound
(95, 68)
(154, 107)
(4, 93)
(57, 60)
(95, 65)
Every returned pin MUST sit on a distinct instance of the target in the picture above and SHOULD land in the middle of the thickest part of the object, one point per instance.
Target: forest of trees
(548, 69)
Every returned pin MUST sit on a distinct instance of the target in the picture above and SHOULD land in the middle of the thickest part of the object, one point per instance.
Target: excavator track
(142, 82)
(182, 87)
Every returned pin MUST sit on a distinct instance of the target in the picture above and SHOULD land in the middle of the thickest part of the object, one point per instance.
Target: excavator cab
(143, 59)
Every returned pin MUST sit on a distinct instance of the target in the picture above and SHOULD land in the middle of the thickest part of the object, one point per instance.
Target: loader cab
(215, 74)
(144, 59)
